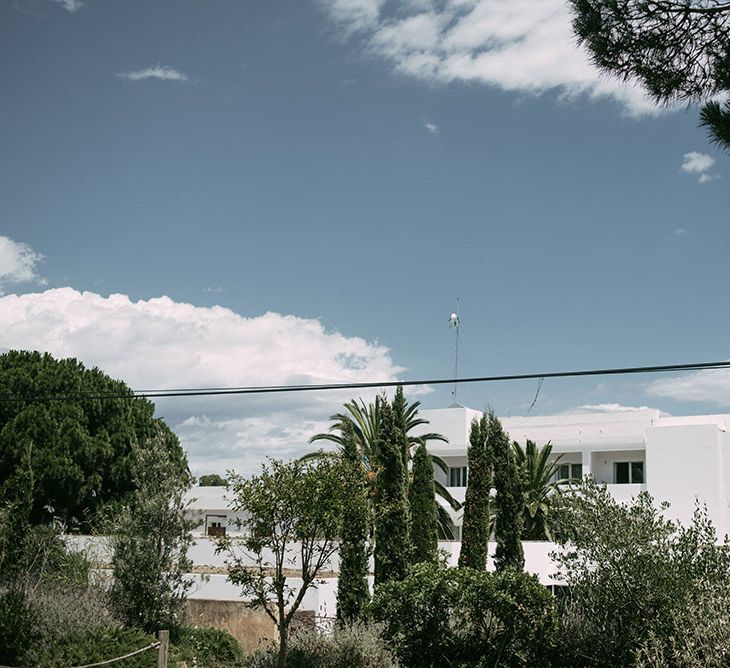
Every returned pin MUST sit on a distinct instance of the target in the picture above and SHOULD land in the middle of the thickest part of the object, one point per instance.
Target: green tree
(464, 617)
(540, 487)
(292, 520)
(151, 536)
(509, 500)
(392, 544)
(212, 480)
(634, 579)
(80, 449)
(677, 49)
(424, 515)
(353, 591)
(365, 419)
(476, 524)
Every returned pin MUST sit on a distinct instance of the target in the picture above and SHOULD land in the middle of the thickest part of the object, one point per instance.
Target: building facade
(682, 460)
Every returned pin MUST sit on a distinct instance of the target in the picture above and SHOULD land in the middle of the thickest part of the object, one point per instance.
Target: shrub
(100, 645)
(636, 581)
(71, 611)
(356, 646)
(465, 617)
(207, 648)
(18, 619)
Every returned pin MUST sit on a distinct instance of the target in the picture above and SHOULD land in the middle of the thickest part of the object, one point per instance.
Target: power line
(273, 389)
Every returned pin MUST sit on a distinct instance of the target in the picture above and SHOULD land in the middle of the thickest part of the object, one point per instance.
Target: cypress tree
(475, 530)
(399, 416)
(353, 592)
(509, 500)
(422, 497)
(392, 546)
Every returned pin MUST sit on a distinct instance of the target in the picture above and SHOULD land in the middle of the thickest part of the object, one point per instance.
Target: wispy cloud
(17, 263)
(432, 128)
(160, 72)
(699, 165)
(70, 5)
(711, 386)
(520, 45)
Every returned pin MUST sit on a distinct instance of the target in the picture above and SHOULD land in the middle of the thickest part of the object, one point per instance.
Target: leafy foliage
(475, 528)
(465, 617)
(78, 451)
(509, 501)
(150, 540)
(206, 648)
(677, 49)
(365, 420)
(424, 517)
(633, 575)
(212, 480)
(353, 592)
(100, 645)
(18, 626)
(392, 517)
(292, 519)
(356, 646)
(539, 488)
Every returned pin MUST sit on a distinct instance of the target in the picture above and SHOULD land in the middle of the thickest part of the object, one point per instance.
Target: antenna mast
(454, 322)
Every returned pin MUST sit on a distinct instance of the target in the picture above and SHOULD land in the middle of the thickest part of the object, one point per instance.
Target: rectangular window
(628, 472)
(568, 472)
(458, 476)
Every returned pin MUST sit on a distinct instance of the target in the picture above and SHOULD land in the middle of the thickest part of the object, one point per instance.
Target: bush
(642, 588)
(207, 648)
(18, 619)
(71, 611)
(357, 646)
(100, 645)
(463, 617)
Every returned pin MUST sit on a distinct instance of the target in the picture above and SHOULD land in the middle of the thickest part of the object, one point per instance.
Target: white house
(676, 459)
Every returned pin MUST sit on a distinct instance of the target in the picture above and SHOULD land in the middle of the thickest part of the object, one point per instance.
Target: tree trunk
(282, 644)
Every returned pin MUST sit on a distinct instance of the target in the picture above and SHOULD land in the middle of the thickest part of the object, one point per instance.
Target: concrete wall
(252, 628)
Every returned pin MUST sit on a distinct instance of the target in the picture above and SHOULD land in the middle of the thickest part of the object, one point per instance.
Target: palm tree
(540, 486)
(364, 420)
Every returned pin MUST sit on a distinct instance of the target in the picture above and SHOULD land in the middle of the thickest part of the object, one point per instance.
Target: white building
(676, 459)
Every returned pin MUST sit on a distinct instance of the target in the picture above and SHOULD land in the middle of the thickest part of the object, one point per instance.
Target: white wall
(685, 464)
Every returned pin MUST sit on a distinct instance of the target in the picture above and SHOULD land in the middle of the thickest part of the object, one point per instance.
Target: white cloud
(612, 408)
(17, 263)
(432, 128)
(519, 46)
(70, 5)
(711, 386)
(160, 343)
(699, 164)
(354, 15)
(160, 72)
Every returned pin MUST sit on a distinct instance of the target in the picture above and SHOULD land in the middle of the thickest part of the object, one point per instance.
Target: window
(567, 472)
(625, 473)
(458, 476)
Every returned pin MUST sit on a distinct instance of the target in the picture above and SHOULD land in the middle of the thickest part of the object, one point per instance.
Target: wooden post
(162, 650)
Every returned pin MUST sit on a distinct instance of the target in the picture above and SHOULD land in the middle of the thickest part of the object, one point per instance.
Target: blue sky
(349, 167)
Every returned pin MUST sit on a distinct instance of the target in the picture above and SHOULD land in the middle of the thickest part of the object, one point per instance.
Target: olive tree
(291, 519)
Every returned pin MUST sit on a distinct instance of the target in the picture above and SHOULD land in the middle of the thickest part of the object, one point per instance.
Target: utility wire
(271, 389)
